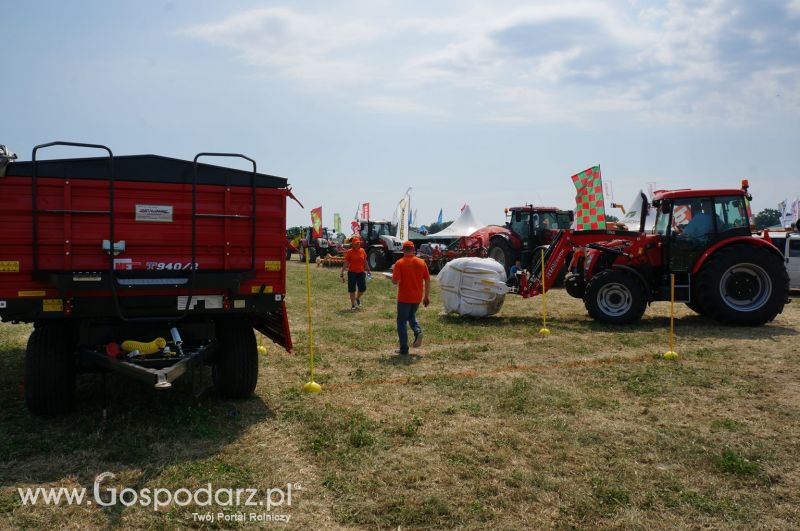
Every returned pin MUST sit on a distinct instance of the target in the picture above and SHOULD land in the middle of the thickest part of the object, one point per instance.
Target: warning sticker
(272, 265)
(2, 304)
(9, 266)
(209, 302)
(31, 293)
(257, 289)
(52, 305)
(156, 213)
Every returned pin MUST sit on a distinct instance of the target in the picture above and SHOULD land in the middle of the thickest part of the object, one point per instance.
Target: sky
(493, 104)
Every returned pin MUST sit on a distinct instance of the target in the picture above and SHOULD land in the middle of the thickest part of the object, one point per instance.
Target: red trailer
(97, 251)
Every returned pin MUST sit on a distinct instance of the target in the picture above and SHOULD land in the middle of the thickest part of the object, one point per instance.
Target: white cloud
(542, 62)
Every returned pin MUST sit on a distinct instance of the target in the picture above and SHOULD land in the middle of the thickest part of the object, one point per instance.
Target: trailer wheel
(235, 371)
(615, 297)
(575, 285)
(376, 259)
(500, 251)
(50, 369)
(743, 285)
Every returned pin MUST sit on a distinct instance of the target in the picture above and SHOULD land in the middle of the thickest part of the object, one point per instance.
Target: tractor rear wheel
(575, 285)
(501, 252)
(235, 370)
(615, 297)
(50, 369)
(743, 285)
(376, 259)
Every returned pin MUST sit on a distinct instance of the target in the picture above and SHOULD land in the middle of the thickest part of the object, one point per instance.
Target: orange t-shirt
(355, 260)
(410, 271)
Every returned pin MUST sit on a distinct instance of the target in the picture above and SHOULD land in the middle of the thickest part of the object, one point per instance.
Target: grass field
(487, 425)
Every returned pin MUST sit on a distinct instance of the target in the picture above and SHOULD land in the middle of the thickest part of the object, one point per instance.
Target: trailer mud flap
(275, 325)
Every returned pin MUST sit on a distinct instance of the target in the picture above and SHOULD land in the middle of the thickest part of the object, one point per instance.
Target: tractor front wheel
(50, 369)
(743, 285)
(615, 297)
(235, 370)
(500, 251)
(376, 259)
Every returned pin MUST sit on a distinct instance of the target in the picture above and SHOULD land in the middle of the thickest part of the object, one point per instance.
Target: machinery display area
(185, 257)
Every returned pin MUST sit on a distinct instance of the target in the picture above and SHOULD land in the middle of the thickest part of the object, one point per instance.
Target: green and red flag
(590, 212)
(316, 222)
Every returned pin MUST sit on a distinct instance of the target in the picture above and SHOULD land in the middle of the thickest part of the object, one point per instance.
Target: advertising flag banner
(337, 222)
(590, 213)
(316, 222)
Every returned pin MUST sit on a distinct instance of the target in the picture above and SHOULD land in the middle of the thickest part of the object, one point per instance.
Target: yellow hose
(145, 348)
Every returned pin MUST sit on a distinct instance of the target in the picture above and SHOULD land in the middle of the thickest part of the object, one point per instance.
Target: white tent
(633, 214)
(464, 225)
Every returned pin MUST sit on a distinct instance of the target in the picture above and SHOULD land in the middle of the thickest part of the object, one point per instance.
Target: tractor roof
(687, 192)
(531, 208)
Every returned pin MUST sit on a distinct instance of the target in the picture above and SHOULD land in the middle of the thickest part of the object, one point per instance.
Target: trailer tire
(376, 259)
(235, 371)
(575, 285)
(739, 271)
(615, 297)
(50, 369)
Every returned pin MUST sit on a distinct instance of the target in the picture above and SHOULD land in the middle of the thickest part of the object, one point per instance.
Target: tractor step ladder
(683, 287)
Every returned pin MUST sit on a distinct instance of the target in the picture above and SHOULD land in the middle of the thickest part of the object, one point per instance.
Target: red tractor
(528, 229)
(702, 237)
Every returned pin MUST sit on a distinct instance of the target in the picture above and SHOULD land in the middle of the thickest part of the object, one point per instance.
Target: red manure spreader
(144, 265)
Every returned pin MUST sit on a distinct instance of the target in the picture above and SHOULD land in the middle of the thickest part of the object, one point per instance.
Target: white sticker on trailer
(211, 302)
(2, 304)
(157, 213)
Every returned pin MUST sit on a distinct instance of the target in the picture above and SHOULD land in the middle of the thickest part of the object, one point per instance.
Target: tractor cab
(692, 221)
(372, 231)
(534, 224)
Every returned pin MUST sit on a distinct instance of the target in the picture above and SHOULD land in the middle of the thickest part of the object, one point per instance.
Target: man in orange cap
(355, 262)
(413, 287)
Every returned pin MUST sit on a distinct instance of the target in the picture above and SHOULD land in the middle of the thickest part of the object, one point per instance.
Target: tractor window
(548, 220)
(521, 224)
(794, 248)
(691, 231)
(731, 213)
(692, 219)
(662, 223)
(564, 221)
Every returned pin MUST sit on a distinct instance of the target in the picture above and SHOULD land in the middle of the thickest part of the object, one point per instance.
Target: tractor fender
(728, 241)
(512, 240)
(638, 274)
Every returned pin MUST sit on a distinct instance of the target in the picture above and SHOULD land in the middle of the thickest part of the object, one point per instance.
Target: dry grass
(487, 426)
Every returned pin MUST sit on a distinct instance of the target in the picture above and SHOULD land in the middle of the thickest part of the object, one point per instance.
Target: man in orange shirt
(413, 286)
(355, 262)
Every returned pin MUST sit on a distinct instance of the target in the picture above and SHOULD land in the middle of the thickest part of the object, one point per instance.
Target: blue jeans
(406, 315)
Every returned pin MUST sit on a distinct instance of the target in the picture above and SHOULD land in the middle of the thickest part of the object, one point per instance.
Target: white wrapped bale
(473, 286)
